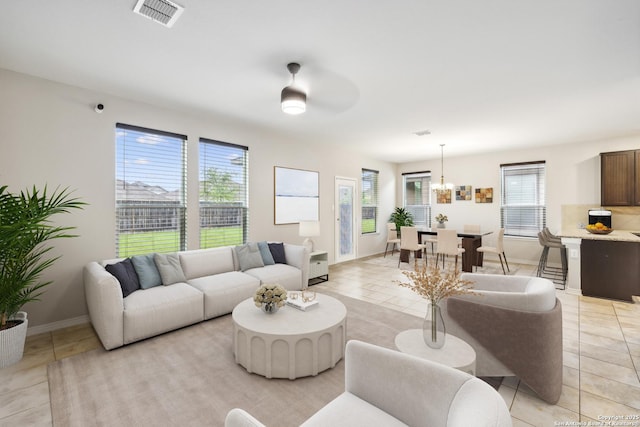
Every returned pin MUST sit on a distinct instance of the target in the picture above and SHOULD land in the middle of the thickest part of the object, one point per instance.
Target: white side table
(318, 267)
(455, 352)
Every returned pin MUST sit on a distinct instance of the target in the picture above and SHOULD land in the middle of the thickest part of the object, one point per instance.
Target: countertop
(615, 235)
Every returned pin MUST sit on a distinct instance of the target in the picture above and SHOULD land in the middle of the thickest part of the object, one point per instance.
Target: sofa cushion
(277, 251)
(205, 262)
(148, 273)
(282, 274)
(222, 292)
(126, 275)
(169, 268)
(349, 410)
(267, 258)
(249, 256)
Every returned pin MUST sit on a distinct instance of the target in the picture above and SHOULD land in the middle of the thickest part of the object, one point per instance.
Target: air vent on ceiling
(162, 11)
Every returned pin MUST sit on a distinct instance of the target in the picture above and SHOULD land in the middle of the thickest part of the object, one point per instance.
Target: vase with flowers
(435, 285)
(441, 219)
(270, 298)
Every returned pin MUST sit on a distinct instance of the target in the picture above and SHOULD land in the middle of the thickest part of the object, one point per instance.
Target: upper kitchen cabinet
(620, 178)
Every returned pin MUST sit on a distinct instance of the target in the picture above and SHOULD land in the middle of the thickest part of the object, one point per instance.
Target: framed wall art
(443, 196)
(463, 192)
(297, 195)
(484, 195)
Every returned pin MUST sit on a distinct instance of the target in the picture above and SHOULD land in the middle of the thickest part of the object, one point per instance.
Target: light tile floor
(601, 353)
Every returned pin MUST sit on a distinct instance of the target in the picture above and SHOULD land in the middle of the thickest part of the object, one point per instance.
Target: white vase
(12, 341)
(441, 225)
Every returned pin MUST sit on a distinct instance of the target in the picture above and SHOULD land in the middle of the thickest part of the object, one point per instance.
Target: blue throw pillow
(126, 275)
(277, 251)
(267, 258)
(148, 274)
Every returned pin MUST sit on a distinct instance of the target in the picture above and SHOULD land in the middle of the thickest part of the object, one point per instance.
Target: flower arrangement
(270, 294)
(435, 285)
(441, 218)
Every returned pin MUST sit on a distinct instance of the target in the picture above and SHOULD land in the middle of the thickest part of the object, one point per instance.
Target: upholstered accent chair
(514, 323)
(387, 388)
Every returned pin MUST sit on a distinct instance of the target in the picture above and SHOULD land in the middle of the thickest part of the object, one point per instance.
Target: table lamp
(309, 229)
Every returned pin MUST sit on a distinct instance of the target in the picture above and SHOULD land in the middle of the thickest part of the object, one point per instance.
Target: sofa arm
(240, 418)
(105, 304)
(298, 256)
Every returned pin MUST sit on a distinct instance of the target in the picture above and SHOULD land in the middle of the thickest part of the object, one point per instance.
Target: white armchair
(387, 388)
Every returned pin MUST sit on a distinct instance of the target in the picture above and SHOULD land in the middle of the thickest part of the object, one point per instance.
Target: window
(150, 191)
(369, 201)
(523, 210)
(224, 194)
(417, 197)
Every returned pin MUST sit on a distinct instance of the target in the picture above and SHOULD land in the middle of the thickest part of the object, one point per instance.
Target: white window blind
(523, 210)
(369, 223)
(417, 197)
(224, 193)
(150, 191)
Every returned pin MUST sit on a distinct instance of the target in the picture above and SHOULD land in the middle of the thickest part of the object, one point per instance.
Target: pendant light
(442, 187)
(293, 100)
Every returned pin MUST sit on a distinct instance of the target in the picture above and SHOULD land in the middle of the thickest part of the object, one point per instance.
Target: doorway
(345, 219)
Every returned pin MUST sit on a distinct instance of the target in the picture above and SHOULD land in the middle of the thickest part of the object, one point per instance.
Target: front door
(345, 219)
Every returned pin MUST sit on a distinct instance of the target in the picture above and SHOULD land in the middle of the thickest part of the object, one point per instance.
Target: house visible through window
(523, 211)
(369, 201)
(150, 191)
(224, 195)
(417, 198)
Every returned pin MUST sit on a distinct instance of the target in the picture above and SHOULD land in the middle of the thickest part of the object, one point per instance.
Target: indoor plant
(25, 228)
(441, 219)
(270, 298)
(435, 285)
(401, 218)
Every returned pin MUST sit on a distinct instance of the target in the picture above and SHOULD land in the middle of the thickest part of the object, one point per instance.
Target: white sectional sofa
(213, 284)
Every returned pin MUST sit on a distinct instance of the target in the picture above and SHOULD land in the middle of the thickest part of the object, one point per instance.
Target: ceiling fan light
(293, 101)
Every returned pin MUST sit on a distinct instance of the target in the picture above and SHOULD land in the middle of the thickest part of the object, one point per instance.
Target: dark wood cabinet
(610, 269)
(620, 175)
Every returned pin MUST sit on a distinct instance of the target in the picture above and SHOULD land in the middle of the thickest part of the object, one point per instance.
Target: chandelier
(441, 187)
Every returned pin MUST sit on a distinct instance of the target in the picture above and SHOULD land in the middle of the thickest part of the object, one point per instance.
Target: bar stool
(549, 241)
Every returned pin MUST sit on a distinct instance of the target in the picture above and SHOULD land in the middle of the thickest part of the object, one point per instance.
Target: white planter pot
(12, 341)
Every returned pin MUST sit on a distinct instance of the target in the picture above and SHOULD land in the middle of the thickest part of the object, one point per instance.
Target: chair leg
(505, 261)
(386, 247)
(456, 264)
(500, 257)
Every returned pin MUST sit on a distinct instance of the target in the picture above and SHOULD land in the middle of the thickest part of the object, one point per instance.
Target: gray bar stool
(549, 241)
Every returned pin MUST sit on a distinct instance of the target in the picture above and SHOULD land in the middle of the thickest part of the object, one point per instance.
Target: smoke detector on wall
(163, 12)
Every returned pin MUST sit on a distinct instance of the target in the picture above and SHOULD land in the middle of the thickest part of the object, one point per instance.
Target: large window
(523, 211)
(417, 197)
(150, 191)
(369, 201)
(224, 195)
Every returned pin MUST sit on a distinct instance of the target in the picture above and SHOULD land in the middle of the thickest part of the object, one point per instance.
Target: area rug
(189, 377)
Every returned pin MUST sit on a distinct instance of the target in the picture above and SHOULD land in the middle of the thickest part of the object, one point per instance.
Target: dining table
(471, 241)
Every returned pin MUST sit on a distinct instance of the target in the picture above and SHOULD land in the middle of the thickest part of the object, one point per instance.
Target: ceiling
(480, 75)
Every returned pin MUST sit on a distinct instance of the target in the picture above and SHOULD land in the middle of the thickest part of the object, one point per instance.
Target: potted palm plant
(401, 218)
(25, 230)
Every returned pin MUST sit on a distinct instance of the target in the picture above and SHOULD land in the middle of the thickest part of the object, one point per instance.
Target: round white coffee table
(455, 352)
(290, 343)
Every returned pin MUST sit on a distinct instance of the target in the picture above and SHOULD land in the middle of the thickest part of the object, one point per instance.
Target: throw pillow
(169, 268)
(277, 251)
(126, 275)
(147, 271)
(249, 256)
(267, 258)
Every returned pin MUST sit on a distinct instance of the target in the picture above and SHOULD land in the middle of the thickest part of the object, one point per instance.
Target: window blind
(523, 210)
(369, 202)
(417, 197)
(150, 191)
(224, 193)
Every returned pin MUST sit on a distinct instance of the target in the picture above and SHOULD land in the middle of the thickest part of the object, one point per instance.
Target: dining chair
(448, 245)
(433, 240)
(498, 249)
(409, 242)
(392, 238)
(469, 228)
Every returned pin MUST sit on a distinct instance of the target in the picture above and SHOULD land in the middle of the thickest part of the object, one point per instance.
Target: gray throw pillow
(148, 274)
(169, 268)
(249, 256)
(267, 258)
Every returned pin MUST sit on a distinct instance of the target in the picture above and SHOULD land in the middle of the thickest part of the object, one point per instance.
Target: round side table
(455, 352)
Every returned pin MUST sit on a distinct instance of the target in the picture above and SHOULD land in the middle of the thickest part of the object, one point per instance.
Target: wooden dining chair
(392, 238)
(409, 242)
(448, 245)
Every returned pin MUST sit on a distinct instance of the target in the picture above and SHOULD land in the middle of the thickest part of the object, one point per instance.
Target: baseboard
(40, 329)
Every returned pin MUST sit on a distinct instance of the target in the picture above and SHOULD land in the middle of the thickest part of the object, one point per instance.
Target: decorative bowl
(596, 231)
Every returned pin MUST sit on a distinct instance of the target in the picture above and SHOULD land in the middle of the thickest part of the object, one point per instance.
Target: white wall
(572, 178)
(50, 134)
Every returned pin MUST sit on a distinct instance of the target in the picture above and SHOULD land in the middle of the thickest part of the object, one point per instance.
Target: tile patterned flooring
(601, 353)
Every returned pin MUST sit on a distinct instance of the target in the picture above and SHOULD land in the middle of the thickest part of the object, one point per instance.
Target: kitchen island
(603, 265)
